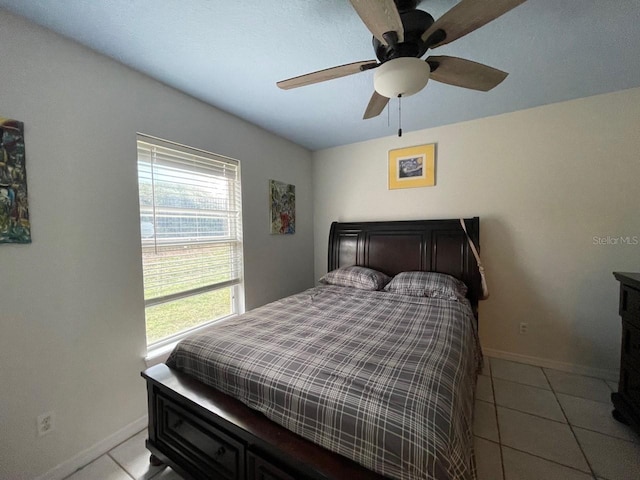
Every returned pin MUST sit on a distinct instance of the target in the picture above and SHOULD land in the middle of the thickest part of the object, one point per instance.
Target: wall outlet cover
(45, 423)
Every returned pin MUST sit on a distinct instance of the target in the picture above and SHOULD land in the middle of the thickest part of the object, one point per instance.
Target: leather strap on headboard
(400, 246)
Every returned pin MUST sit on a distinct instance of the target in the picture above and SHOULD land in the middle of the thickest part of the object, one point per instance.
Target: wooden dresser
(627, 400)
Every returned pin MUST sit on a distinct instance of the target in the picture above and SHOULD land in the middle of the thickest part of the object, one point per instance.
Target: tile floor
(535, 423)
(530, 423)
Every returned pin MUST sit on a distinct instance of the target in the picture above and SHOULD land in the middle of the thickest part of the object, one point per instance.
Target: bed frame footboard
(203, 433)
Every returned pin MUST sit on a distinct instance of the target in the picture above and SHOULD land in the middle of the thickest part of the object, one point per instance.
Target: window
(191, 237)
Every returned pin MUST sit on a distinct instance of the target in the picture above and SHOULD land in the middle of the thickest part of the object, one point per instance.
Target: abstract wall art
(14, 208)
(282, 200)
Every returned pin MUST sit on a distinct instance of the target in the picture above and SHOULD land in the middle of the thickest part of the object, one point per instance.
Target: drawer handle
(221, 451)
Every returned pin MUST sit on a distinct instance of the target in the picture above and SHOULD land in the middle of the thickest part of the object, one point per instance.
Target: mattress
(386, 380)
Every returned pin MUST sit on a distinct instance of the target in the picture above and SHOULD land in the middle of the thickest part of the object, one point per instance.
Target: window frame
(234, 201)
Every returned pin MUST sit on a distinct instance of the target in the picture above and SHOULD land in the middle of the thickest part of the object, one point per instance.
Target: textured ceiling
(231, 53)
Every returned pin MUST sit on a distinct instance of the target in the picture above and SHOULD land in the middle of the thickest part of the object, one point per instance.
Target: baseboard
(90, 454)
(605, 374)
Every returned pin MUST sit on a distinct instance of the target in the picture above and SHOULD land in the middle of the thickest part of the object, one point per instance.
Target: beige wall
(72, 335)
(544, 183)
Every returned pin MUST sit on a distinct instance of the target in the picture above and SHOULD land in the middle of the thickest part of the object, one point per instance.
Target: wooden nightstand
(627, 400)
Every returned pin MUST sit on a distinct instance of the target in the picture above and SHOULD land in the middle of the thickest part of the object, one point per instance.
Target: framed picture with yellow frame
(412, 167)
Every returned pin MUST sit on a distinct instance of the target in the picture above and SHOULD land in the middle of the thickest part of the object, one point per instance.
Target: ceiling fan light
(401, 76)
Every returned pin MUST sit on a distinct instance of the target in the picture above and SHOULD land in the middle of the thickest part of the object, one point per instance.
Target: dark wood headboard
(400, 246)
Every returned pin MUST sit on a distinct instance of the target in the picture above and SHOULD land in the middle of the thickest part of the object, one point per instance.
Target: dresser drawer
(630, 304)
(631, 344)
(260, 469)
(630, 385)
(180, 431)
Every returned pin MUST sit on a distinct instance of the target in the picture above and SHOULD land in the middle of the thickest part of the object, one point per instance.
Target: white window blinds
(190, 220)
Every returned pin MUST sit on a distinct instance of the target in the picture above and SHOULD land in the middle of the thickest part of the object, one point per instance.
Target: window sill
(160, 354)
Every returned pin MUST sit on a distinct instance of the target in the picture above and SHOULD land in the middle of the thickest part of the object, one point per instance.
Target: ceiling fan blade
(464, 73)
(380, 17)
(376, 106)
(327, 74)
(465, 17)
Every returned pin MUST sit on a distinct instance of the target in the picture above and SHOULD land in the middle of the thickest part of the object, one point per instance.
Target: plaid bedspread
(383, 379)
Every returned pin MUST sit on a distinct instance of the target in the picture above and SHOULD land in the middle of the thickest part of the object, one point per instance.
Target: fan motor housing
(404, 5)
(415, 23)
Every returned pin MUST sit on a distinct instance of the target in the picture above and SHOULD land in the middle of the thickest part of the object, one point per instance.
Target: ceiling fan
(402, 34)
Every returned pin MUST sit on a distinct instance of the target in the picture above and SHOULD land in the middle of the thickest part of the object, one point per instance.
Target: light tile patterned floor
(530, 423)
(535, 423)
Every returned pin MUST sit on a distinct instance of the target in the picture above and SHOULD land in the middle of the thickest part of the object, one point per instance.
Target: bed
(308, 398)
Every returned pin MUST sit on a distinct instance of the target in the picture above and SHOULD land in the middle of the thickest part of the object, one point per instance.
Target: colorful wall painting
(14, 209)
(282, 198)
(412, 167)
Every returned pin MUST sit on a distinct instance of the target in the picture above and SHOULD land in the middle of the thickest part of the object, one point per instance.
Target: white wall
(72, 336)
(544, 182)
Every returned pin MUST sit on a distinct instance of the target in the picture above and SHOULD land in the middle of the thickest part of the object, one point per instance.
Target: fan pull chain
(400, 115)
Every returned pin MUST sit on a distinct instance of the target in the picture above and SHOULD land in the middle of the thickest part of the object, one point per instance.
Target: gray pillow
(357, 277)
(427, 284)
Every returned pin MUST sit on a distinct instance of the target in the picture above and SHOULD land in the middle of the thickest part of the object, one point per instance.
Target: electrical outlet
(524, 328)
(45, 423)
